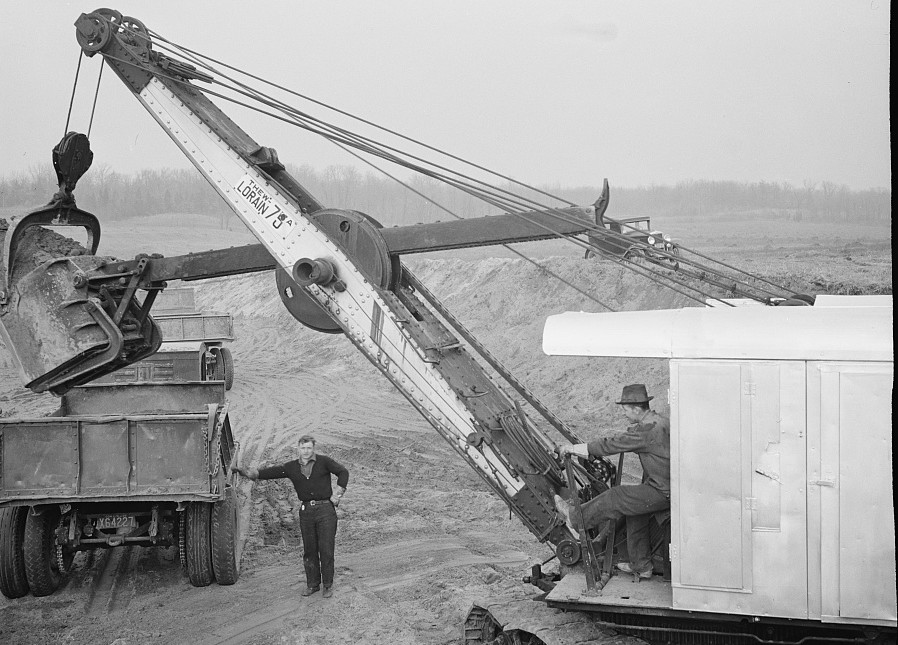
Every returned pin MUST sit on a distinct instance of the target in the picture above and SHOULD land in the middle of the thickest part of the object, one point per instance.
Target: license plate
(116, 521)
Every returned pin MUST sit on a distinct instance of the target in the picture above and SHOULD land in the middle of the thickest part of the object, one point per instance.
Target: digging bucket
(61, 330)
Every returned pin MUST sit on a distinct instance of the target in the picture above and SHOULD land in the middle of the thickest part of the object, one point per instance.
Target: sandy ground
(420, 536)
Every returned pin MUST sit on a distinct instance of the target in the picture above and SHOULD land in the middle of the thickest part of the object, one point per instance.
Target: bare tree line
(151, 192)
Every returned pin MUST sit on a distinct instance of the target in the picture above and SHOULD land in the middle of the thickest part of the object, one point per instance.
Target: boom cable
(501, 198)
(376, 149)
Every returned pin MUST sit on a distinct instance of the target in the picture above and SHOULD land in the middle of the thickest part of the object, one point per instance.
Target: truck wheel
(225, 533)
(41, 566)
(199, 547)
(13, 582)
(227, 367)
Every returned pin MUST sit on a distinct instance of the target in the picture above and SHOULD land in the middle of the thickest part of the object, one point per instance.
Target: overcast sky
(559, 93)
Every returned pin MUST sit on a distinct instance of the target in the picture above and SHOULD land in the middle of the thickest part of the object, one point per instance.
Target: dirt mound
(38, 245)
(503, 302)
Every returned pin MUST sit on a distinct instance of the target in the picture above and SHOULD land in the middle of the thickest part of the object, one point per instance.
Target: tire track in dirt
(112, 590)
(105, 564)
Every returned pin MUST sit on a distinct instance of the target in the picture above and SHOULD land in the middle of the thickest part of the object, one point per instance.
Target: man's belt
(317, 502)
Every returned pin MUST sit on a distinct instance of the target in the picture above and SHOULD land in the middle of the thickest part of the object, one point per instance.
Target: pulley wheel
(92, 32)
(568, 552)
(359, 237)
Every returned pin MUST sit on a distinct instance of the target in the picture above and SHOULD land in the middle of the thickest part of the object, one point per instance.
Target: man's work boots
(308, 591)
(328, 592)
(637, 575)
(565, 512)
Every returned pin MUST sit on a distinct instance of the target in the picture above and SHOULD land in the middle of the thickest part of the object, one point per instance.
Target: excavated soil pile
(504, 302)
(36, 246)
(420, 535)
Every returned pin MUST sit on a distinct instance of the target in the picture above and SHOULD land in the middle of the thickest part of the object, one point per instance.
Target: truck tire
(227, 367)
(39, 548)
(199, 546)
(225, 533)
(13, 581)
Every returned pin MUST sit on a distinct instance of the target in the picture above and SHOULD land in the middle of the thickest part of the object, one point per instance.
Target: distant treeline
(150, 192)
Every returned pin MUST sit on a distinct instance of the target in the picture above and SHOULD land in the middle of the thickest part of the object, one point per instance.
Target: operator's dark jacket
(650, 439)
(318, 485)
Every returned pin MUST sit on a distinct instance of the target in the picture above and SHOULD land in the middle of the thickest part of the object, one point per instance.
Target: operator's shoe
(327, 591)
(626, 568)
(308, 591)
(565, 512)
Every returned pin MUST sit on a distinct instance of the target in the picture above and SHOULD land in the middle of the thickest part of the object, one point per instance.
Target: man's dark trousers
(318, 525)
(637, 504)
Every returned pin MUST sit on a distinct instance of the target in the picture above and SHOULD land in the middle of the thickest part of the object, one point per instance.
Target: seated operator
(648, 437)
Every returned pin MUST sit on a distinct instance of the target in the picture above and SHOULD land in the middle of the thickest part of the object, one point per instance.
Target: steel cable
(197, 58)
(373, 148)
(72, 100)
(490, 194)
(664, 280)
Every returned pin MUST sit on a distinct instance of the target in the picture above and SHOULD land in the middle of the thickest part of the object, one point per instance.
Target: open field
(420, 535)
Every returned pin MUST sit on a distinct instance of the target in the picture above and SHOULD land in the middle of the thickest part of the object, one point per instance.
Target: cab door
(851, 527)
(738, 478)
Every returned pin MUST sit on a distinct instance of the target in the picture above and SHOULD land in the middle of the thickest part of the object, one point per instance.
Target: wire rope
(479, 189)
(659, 278)
(93, 108)
(370, 147)
(197, 58)
(72, 100)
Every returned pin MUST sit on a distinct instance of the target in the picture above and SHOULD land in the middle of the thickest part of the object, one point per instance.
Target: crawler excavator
(339, 271)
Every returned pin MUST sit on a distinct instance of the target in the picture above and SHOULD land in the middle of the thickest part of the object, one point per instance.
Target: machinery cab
(781, 473)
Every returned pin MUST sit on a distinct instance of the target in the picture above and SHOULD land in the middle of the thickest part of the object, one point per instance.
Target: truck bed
(141, 442)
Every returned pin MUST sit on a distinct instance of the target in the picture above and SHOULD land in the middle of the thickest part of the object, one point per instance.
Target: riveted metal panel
(175, 300)
(708, 476)
(105, 463)
(196, 327)
(850, 490)
(39, 457)
(778, 488)
(142, 398)
(171, 455)
(163, 366)
(738, 487)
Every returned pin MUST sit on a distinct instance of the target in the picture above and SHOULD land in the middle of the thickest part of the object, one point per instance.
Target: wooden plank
(621, 591)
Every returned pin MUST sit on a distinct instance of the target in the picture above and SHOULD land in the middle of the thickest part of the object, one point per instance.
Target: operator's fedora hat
(634, 394)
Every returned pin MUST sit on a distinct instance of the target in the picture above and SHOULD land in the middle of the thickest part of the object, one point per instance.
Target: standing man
(648, 437)
(311, 477)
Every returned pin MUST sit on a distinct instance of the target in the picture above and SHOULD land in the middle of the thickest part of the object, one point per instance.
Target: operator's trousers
(318, 525)
(637, 504)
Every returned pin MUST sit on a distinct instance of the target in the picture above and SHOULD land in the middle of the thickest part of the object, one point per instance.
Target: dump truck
(194, 344)
(339, 271)
(129, 464)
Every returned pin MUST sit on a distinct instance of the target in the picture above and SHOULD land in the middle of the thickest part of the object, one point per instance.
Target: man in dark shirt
(311, 477)
(648, 437)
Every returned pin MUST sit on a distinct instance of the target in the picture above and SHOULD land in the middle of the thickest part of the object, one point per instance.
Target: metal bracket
(130, 291)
